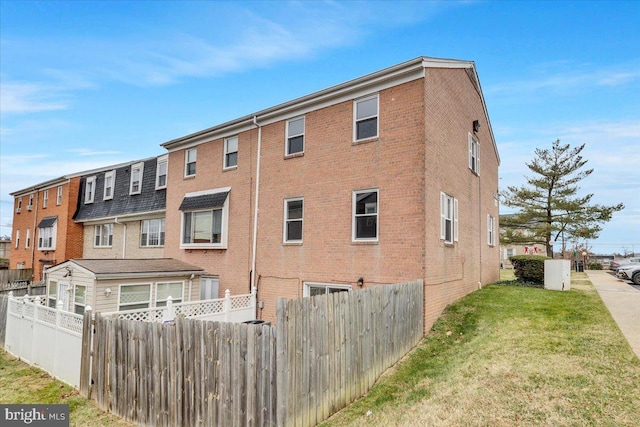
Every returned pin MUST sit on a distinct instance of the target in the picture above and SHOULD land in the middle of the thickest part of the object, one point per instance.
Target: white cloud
(26, 97)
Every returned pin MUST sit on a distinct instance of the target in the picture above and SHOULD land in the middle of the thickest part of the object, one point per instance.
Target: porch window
(166, 290)
(79, 299)
(53, 294)
(134, 297)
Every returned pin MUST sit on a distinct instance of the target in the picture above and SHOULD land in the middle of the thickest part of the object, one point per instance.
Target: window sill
(292, 243)
(365, 242)
(231, 168)
(203, 248)
(366, 141)
(190, 176)
(293, 156)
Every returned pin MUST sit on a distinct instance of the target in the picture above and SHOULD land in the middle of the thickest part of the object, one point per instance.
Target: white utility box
(557, 274)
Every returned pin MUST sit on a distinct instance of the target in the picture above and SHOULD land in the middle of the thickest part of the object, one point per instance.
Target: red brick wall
(421, 150)
(69, 234)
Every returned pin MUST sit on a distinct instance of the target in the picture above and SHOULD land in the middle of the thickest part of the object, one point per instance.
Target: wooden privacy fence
(7, 277)
(4, 305)
(324, 352)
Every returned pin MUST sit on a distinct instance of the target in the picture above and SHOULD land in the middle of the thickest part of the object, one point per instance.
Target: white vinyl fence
(234, 309)
(46, 337)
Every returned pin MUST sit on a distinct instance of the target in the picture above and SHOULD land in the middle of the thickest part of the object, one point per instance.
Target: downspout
(32, 244)
(124, 238)
(255, 212)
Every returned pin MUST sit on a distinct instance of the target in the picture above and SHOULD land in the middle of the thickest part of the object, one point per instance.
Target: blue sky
(88, 84)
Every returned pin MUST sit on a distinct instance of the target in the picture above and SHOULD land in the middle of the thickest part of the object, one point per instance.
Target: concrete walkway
(623, 301)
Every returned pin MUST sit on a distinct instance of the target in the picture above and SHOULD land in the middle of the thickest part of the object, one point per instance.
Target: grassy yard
(511, 356)
(21, 383)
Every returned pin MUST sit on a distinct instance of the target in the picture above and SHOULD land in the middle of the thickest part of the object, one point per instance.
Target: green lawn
(21, 383)
(511, 356)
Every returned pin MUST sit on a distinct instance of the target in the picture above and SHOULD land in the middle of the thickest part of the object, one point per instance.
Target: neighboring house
(387, 178)
(118, 285)
(44, 232)
(507, 251)
(5, 248)
(122, 209)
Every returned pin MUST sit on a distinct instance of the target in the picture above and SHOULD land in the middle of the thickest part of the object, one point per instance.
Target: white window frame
(52, 298)
(162, 163)
(491, 231)
(123, 306)
(90, 190)
(103, 232)
(138, 169)
(163, 302)
(79, 306)
(227, 153)
(45, 198)
(43, 234)
(357, 120)
(111, 175)
(355, 215)
(224, 222)
(448, 215)
(145, 224)
(17, 239)
(289, 136)
(59, 196)
(30, 205)
(306, 291)
(28, 239)
(188, 160)
(19, 207)
(474, 155)
(287, 220)
(209, 287)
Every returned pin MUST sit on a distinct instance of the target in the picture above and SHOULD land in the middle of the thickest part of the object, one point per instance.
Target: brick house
(44, 232)
(387, 178)
(122, 209)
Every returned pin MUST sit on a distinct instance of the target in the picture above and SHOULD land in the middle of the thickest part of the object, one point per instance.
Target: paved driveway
(623, 301)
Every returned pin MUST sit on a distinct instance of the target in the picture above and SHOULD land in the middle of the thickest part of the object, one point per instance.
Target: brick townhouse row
(387, 178)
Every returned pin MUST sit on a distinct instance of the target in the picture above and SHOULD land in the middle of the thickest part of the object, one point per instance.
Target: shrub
(529, 268)
(594, 266)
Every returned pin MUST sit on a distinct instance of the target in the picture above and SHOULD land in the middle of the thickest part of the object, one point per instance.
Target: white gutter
(255, 212)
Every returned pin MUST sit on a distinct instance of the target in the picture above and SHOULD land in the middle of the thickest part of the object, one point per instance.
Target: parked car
(614, 265)
(630, 272)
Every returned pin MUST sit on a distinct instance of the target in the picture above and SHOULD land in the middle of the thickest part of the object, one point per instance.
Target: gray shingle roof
(149, 199)
(204, 201)
(48, 222)
(124, 266)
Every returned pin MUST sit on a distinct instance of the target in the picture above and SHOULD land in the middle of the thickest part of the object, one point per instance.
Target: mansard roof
(123, 204)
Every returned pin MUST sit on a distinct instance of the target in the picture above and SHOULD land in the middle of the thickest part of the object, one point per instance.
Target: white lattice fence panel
(241, 301)
(199, 308)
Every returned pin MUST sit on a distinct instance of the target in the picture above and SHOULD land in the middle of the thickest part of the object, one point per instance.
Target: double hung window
(231, 152)
(152, 232)
(365, 215)
(79, 299)
(490, 231)
(295, 136)
(59, 196)
(474, 155)
(103, 235)
(366, 118)
(109, 180)
(293, 217)
(161, 172)
(45, 198)
(136, 178)
(90, 190)
(190, 157)
(448, 218)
